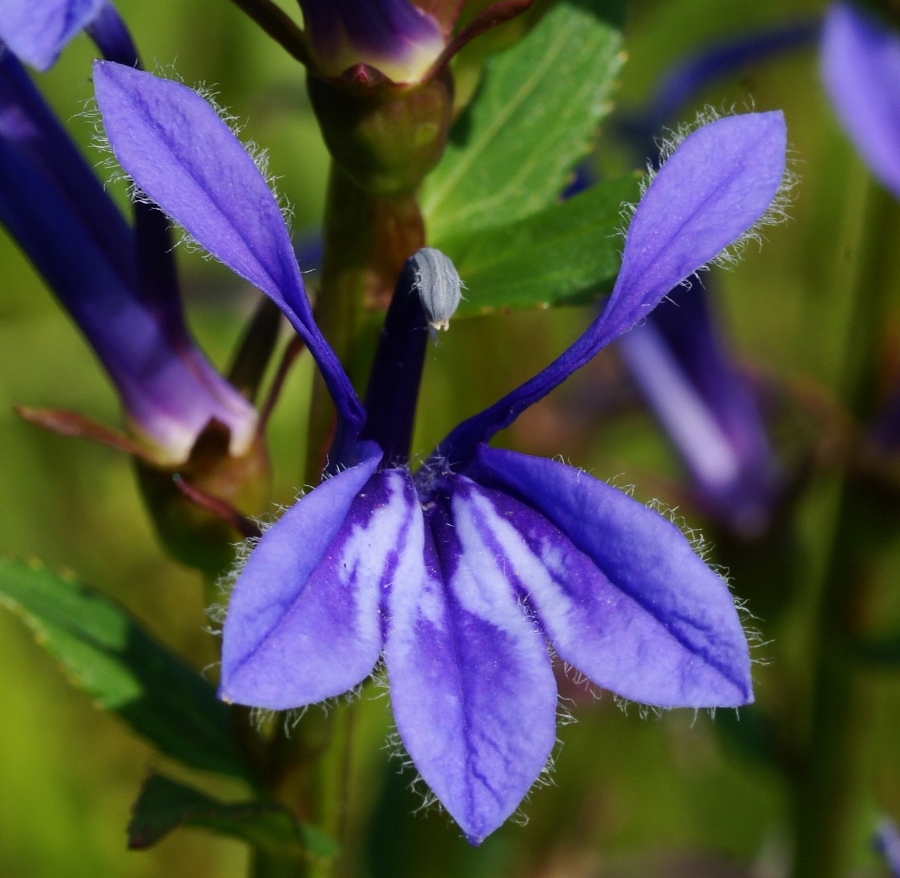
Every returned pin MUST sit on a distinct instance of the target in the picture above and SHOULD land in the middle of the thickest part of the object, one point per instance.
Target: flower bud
(385, 138)
(394, 37)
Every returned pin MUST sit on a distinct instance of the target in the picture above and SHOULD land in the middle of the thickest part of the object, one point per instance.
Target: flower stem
(367, 238)
(278, 25)
(827, 796)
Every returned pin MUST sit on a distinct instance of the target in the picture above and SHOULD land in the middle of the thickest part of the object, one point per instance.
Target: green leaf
(533, 119)
(165, 804)
(568, 253)
(109, 657)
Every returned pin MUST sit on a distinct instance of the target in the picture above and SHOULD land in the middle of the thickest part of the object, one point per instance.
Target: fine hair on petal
(775, 214)
(116, 174)
(703, 548)
(580, 681)
(243, 550)
(645, 711)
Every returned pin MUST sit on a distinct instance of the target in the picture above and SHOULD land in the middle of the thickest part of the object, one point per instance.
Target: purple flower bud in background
(460, 574)
(406, 41)
(860, 65)
(117, 283)
(395, 37)
(707, 409)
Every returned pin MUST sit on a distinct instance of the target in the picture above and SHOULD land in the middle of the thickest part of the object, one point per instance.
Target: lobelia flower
(120, 286)
(118, 283)
(460, 574)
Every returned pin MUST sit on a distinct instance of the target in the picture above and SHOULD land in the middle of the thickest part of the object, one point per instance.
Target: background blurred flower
(707, 409)
(860, 66)
(117, 283)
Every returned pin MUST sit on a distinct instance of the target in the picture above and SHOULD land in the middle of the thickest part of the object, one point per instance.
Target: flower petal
(860, 63)
(716, 185)
(472, 690)
(38, 30)
(63, 220)
(177, 149)
(304, 622)
(619, 590)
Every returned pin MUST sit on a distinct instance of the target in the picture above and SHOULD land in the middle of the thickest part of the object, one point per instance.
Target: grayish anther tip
(438, 286)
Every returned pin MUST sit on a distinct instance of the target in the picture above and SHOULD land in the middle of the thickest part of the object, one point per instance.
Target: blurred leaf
(533, 119)
(109, 657)
(568, 253)
(165, 804)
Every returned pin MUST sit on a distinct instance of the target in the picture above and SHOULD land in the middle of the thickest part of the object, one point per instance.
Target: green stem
(829, 787)
(367, 238)
(827, 798)
(278, 25)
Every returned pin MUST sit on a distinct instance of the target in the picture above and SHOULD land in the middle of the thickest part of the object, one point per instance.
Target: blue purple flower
(860, 65)
(118, 283)
(460, 574)
(37, 30)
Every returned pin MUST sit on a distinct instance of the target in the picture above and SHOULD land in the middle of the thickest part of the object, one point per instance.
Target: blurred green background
(629, 795)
